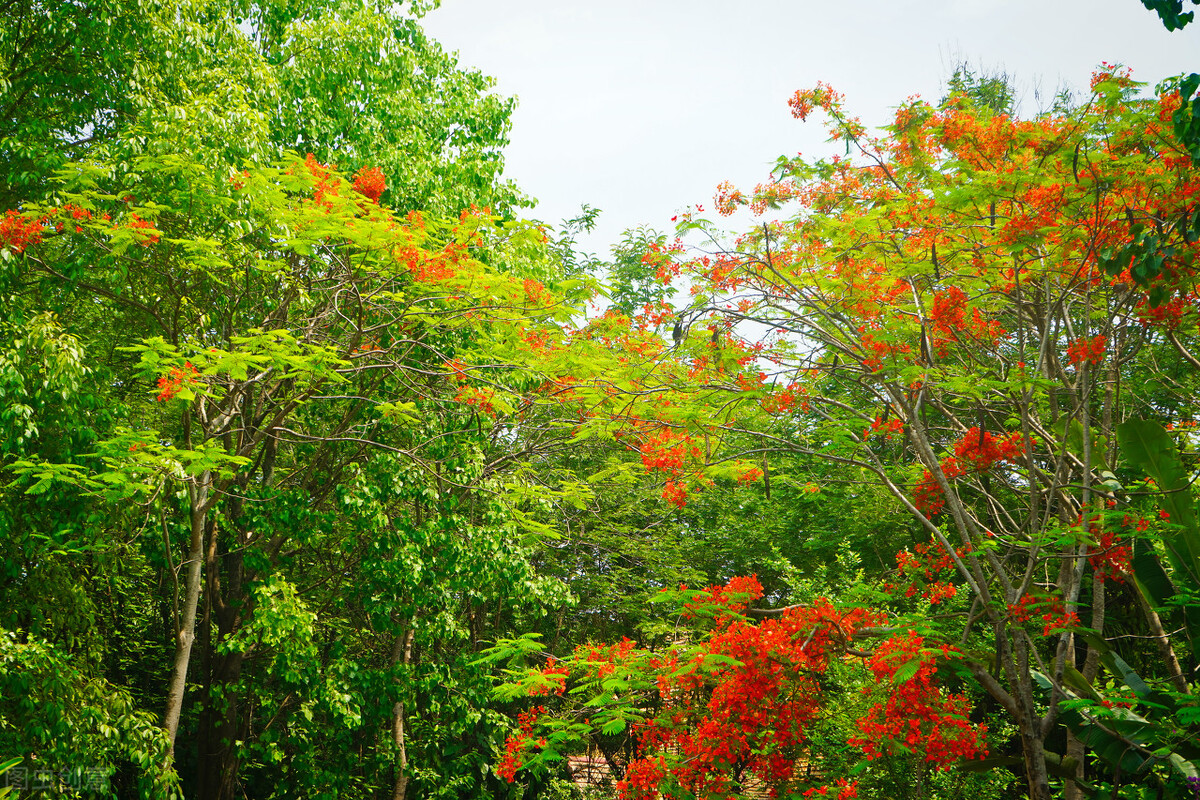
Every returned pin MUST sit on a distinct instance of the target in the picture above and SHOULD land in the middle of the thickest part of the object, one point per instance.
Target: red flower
(18, 231)
(918, 715)
(171, 383)
(1085, 351)
(515, 746)
(150, 235)
(369, 182)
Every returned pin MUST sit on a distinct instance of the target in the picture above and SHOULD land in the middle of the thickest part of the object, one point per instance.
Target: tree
(1185, 118)
(979, 313)
(349, 336)
(187, 389)
(114, 78)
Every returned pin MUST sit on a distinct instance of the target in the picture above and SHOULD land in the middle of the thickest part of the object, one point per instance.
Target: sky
(641, 107)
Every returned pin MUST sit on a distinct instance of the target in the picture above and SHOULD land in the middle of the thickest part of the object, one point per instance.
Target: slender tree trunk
(1029, 723)
(1159, 634)
(198, 495)
(221, 718)
(219, 728)
(1091, 665)
(401, 654)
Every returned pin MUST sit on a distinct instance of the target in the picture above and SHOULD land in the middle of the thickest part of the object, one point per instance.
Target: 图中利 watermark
(24, 777)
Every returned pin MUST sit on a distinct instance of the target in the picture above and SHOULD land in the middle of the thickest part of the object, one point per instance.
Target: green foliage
(312, 472)
(1171, 12)
(632, 280)
(62, 719)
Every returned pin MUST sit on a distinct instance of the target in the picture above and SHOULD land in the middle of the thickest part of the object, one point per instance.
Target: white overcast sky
(641, 107)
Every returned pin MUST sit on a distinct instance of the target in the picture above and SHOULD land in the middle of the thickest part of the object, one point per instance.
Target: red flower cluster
(1168, 315)
(745, 697)
(326, 185)
(481, 399)
(977, 451)
(536, 293)
(751, 475)
(173, 382)
(732, 598)
(1050, 609)
(605, 658)
(78, 214)
(458, 370)
(728, 199)
(1111, 557)
(893, 427)
(846, 790)
(1085, 351)
(950, 323)
(751, 381)
(667, 451)
(675, 493)
(539, 340)
(515, 746)
(925, 572)
(875, 352)
(805, 100)
(927, 495)
(18, 231)
(557, 677)
(150, 235)
(1121, 76)
(771, 194)
(918, 716)
(370, 183)
(784, 400)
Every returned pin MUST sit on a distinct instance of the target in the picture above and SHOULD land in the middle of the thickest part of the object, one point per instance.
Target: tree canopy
(325, 474)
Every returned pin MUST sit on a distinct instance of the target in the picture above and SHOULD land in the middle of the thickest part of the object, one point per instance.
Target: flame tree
(992, 318)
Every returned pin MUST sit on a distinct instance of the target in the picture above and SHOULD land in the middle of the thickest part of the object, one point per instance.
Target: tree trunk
(401, 654)
(219, 728)
(1161, 640)
(198, 497)
(1029, 723)
(221, 722)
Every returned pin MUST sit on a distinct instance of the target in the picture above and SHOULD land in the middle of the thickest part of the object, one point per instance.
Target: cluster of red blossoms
(876, 352)
(784, 400)
(755, 711)
(925, 572)
(536, 293)
(555, 679)
(1110, 558)
(918, 716)
(747, 694)
(950, 322)
(173, 382)
(1169, 315)
(480, 399)
(846, 790)
(370, 183)
(326, 185)
(887, 430)
(148, 236)
(728, 198)
(667, 451)
(675, 493)
(18, 231)
(976, 452)
(1087, 351)
(516, 745)
(1048, 608)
